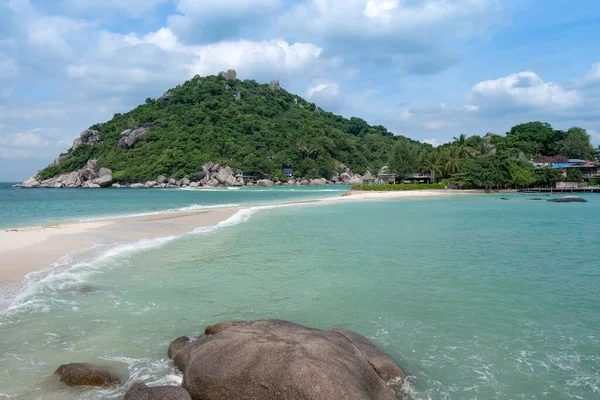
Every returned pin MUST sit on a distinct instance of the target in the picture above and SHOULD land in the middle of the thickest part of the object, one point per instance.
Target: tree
(452, 161)
(461, 143)
(484, 149)
(521, 173)
(573, 175)
(547, 177)
(576, 144)
(486, 172)
(431, 162)
(404, 159)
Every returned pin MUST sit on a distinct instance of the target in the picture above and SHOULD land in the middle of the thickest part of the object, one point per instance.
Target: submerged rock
(568, 199)
(83, 374)
(274, 359)
(139, 391)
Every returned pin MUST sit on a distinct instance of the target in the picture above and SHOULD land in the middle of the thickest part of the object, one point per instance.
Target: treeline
(497, 161)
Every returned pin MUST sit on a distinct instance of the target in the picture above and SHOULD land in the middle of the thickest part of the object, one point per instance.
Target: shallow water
(475, 297)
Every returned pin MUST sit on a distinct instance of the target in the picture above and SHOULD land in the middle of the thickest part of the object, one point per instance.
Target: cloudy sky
(428, 69)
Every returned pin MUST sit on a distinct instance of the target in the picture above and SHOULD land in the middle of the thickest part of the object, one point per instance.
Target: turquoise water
(475, 297)
(28, 207)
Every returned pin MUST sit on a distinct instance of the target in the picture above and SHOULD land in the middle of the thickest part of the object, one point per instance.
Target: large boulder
(137, 186)
(89, 136)
(83, 374)
(32, 182)
(355, 181)
(73, 180)
(231, 181)
(229, 74)
(224, 174)
(139, 391)
(274, 85)
(274, 359)
(185, 181)
(265, 182)
(212, 183)
(105, 177)
(318, 182)
(162, 179)
(345, 177)
(130, 136)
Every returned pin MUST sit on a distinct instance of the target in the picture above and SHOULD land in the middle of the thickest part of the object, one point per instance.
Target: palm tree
(484, 149)
(431, 162)
(452, 161)
(461, 143)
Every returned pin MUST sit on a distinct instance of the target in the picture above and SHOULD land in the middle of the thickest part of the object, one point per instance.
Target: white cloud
(380, 8)
(323, 89)
(134, 8)
(421, 37)
(206, 20)
(522, 89)
(7, 153)
(593, 75)
(8, 67)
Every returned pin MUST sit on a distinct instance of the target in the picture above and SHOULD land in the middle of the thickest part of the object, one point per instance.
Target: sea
(474, 296)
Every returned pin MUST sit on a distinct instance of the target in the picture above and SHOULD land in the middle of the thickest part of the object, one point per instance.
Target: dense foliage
(261, 132)
(496, 161)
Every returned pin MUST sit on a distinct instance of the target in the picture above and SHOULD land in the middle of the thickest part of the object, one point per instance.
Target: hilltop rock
(274, 85)
(274, 359)
(166, 96)
(139, 391)
(229, 74)
(83, 374)
(130, 136)
(89, 136)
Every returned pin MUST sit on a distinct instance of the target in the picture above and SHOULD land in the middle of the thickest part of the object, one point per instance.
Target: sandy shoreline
(24, 250)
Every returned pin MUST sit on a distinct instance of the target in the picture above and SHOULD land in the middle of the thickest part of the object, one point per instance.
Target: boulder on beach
(139, 391)
(84, 374)
(568, 199)
(264, 182)
(274, 359)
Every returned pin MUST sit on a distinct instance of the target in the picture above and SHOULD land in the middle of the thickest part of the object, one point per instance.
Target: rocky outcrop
(237, 95)
(83, 374)
(139, 391)
(89, 136)
(130, 136)
(317, 182)
(90, 176)
(274, 359)
(60, 159)
(274, 85)
(568, 199)
(229, 74)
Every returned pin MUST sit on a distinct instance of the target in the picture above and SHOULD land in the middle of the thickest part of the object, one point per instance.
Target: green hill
(259, 128)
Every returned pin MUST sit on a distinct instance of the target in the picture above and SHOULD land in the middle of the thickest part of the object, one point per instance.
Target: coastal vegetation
(262, 130)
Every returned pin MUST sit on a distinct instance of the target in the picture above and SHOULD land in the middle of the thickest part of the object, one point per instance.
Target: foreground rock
(274, 359)
(568, 199)
(139, 391)
(83, 374)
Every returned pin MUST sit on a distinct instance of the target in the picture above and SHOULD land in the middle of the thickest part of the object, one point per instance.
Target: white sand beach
(25, 250)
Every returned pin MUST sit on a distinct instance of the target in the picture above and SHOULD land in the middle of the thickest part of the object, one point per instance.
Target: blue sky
(428, 69)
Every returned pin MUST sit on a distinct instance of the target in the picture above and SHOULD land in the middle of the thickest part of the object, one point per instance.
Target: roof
(368, 177)
(287, 170)
(563, 165)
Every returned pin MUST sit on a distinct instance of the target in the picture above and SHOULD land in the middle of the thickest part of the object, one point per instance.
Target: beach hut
(385, 175)
(288, 171)
(368, 178)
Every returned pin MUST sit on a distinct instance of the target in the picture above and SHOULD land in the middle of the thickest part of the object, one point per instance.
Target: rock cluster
(89, 136)
(274, 359)
(90, 176)
(229, 74)
(210, 175)
(130, 136)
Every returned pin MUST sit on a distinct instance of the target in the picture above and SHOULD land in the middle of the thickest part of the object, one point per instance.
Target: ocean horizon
(476, 298)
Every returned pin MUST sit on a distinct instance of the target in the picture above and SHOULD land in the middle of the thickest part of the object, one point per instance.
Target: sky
(426, 69)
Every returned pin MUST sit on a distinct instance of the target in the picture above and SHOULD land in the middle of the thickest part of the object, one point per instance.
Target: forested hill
(259, 128)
